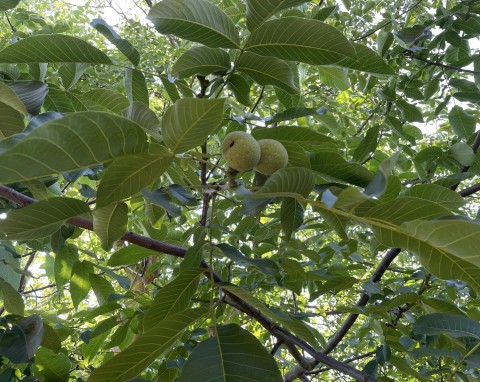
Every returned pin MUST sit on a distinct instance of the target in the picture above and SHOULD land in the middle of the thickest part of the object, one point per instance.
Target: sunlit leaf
(294, 182)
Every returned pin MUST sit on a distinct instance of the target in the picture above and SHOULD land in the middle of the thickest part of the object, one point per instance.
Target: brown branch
(439, 64)
(348, 323)
(146, 242)
(470, 190)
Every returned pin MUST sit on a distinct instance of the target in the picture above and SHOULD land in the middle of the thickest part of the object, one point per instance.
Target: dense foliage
(130, 251)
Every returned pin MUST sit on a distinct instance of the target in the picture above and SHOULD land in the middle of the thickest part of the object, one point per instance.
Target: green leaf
(195, 20)
(12, 300)
(52, 48)
(63, 102)
(452, 325)
(305, 137)
(50, 366)
(141, 353)
(102, 288)
(296, 326)
(76, 141)
(218, 358)
(146, 118)
(297, 156)
(136, 87)
(438, 194)
(259, 11)
(267, 71)
(291, 216)
(400, 300)
(442, 246)
(332, 165)
(240, 89)
(334, 77)
(299, 39)
(463, 124)
(12, 121)
(40, 219)
(368, 145)
(122, 44)
(463, 153)
(31, 93)
(366, 60)
(80, 281)
(189, 122)
(64, 260)
(105, 100)
(128, 175)
(292, 182)
(201, 60)
(5, 5)
(110, 223)
(174, 297)
(71, 72)
(20, 343)
(409, 112)
(9, 97)
(130, 255)
(292, 113)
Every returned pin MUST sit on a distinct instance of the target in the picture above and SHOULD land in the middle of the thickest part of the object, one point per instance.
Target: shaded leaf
(52, 48)
(31, 93)
(105, 100)
(71, 72)
(146, 118)
(463, 124)
(305, 137)
(20, 343)
(240, 89)
(136, 87)
(5, 5)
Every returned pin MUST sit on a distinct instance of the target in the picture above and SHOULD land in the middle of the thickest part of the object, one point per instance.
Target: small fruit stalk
(243, 153)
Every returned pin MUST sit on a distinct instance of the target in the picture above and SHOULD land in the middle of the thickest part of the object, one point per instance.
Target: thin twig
(258, 100)
(387, 23)
(439, 64)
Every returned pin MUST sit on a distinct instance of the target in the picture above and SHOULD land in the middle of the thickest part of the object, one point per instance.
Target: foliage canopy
(130, 252)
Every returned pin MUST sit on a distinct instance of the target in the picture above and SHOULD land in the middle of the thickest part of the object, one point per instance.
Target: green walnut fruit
(274, 156)
(241, 151)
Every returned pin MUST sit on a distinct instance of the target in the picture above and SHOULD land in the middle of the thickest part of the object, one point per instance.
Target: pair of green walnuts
(242, 152)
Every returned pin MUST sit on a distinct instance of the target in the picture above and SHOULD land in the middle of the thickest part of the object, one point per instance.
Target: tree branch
(170, 249)
(439, 64)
